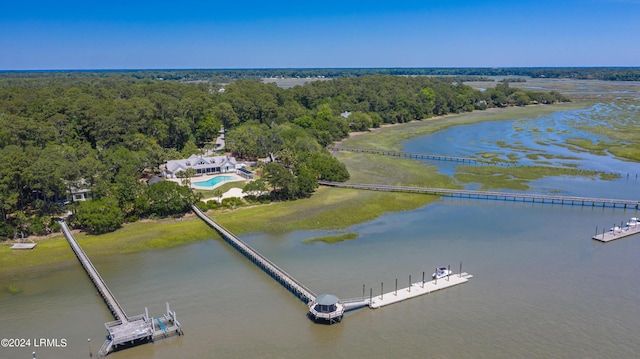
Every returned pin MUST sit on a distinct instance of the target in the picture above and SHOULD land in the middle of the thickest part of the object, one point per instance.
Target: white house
(202, 165)
(79, 191)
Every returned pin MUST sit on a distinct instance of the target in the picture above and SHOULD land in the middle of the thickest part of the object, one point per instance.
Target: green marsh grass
(496, 177)
(132, 237)
(13, 289)
(330, 208)
(333, 239)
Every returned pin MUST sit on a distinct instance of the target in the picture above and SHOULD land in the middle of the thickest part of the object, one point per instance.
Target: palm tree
(186, 176)
(217, 193)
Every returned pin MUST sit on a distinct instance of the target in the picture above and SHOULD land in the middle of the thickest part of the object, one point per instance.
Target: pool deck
(204, 178)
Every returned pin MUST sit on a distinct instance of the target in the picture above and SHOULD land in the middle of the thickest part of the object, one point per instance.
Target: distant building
(202, 165)
(79, 191)
(154, 179)
(345, 114)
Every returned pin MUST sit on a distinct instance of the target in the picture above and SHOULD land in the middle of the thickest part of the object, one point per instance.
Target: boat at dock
(441, 272)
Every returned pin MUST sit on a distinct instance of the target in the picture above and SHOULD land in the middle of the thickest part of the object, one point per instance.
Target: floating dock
(617, 233)
(23, 246)
(325, 307)
(418, 288)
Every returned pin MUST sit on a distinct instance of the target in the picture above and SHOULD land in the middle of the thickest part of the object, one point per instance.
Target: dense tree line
(107, 131)
(228, 75)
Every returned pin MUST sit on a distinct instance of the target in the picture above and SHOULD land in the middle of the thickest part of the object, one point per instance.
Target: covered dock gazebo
(326, 308)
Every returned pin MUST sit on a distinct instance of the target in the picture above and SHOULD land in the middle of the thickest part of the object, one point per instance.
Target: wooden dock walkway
(108, 297)
(418, 289)
(422, 156)
(125, 330)
(308, 296)
(288, 281)
(490, 195)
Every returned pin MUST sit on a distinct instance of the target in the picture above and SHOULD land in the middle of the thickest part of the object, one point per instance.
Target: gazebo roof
(327, 299)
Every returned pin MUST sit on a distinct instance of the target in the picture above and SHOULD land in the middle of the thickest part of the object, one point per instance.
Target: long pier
(288, 281)
(421, 156)
(111, 301)
(125, 331)
(506, 196)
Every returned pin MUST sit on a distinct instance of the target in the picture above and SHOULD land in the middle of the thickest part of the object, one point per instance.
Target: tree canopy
(107, 131)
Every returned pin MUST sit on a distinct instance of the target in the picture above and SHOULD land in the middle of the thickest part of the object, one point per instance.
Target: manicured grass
(208, 193)
(333, 239)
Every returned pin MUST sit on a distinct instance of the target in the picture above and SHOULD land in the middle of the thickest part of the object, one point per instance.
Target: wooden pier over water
(420, 156)
(125, 331)
(505, 196)
(288, 281)
(309, 297)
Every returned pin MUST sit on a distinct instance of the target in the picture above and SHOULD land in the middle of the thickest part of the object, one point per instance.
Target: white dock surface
(419, 288)
(617, 234)
(23, 246)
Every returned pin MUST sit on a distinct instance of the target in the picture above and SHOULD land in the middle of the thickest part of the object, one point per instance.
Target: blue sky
(44, 35)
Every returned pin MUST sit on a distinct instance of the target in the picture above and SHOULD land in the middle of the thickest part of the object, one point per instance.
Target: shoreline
(312, 213)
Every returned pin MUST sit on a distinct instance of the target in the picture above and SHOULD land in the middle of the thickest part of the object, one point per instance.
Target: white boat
(633, 222)
(441, 272)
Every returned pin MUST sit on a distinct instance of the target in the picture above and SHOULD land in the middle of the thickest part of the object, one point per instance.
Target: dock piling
(370, 296)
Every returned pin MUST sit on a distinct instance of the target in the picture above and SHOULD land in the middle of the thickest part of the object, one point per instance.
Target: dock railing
(271, 268)
(426, 156)
(492, 195)
(355, 303)
(111, 301)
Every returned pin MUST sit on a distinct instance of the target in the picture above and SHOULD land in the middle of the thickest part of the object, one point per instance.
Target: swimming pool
(213, 181)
